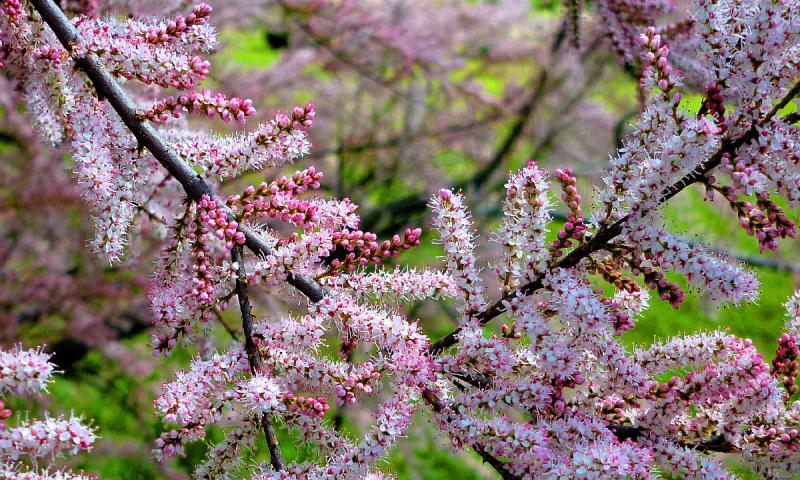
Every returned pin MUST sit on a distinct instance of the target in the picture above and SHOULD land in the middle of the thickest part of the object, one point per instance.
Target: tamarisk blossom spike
(136, 50)
(398, 285)
(526, 212)
(721, 280)
(574, 228)
(452, 220)
(280, 140)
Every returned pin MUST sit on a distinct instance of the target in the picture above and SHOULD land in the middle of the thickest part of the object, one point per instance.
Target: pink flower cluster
(196, 399)
(26, 372)
(452, 220)
(307, 406)
(131, 53)
(215, 218)
(11, 8)
(178, 27)
(363, 247)
(45, 438)
(655, 55)
(721, 279)
(361, 382)
(282, 139)
(785, 364)
(397, 285)
(260, 394)
(279, 200)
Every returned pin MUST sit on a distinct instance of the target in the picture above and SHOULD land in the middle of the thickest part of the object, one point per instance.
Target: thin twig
(234, 335)
(253, 357)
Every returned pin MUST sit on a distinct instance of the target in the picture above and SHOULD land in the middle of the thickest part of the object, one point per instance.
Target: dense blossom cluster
(553, 393)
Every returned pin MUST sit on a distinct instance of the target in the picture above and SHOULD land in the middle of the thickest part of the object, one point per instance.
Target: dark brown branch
(604, 236)
(253, 357)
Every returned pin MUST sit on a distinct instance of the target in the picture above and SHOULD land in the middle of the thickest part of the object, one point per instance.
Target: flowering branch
(195, 187)
(148, 137)
(605, 235)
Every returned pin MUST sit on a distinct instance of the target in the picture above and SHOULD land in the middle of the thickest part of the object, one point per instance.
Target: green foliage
(248, 48)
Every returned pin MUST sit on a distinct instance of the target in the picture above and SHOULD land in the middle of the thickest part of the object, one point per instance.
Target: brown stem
(253, 357)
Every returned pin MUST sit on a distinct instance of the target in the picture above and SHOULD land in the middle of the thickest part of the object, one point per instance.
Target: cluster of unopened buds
(306, 405)
(346, 392)
(198, 70)
(656, 53)
(557, 399)
(369, 250)
(613, 409)
(175, 28)
(790, 437)
(614, 277)
(215, 217)
(766, 221)
(49, 56)
(301, 181)
(12, 8)
(276, 199)
(785, 364)
(574, 228)
(713, 104)
(202, 280)
(775, 223)
(211, 104)
(655, 280)
(5, 413)
(301, 117)
(665, 389)
(510, 332)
